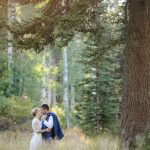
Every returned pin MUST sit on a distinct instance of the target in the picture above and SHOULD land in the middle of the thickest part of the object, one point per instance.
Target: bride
(36, 141)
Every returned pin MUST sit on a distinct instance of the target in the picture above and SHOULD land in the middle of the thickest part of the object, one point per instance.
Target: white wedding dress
(36, 141)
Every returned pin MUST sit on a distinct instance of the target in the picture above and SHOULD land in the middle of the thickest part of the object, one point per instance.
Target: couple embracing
(45, 126)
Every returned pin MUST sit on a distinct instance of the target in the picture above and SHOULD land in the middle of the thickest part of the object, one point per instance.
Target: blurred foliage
(16, 109)
(22, 76)
(59, 111)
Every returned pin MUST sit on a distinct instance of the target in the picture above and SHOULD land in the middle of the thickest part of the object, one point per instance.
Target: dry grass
(73, 140)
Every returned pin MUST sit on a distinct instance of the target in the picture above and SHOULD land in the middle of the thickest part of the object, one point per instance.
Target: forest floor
(74, 140)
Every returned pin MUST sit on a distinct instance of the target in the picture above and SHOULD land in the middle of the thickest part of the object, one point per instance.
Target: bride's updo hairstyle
(34, 111)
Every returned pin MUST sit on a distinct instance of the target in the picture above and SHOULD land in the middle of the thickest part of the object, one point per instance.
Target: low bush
(15, 109)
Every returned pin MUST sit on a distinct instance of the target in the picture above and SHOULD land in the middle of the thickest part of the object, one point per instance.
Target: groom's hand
(44, 117)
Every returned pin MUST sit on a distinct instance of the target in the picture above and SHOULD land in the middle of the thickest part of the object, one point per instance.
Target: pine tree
(102, 58)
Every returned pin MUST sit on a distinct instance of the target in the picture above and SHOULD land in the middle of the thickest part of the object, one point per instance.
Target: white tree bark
(51, 78)
(65, 80)
(48, 93)
(11, 16)
(63, 3)
(43, 90)
(54, 97)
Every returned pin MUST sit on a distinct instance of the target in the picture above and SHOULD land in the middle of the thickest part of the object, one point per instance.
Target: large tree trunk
(135, 107)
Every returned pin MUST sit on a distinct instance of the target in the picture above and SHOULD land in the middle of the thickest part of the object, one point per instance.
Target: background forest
(70, 55)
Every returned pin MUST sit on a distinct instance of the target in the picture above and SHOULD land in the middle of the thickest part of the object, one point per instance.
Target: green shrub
(15, 109)
(60, 114)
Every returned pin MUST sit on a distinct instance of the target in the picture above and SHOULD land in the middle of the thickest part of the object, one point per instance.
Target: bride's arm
(44, 130)
(37, 127)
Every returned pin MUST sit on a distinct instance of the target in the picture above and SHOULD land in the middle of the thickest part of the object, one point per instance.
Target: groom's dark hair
(44, 106)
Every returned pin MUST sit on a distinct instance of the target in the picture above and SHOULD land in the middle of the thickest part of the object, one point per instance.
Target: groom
(50, 120)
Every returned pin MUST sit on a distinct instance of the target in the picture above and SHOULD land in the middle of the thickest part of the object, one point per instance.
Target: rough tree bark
(135, 107)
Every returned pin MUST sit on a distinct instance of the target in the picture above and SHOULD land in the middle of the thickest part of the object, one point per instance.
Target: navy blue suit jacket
(56, 130)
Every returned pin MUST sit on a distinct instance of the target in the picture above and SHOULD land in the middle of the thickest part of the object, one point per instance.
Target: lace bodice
(36, 125)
